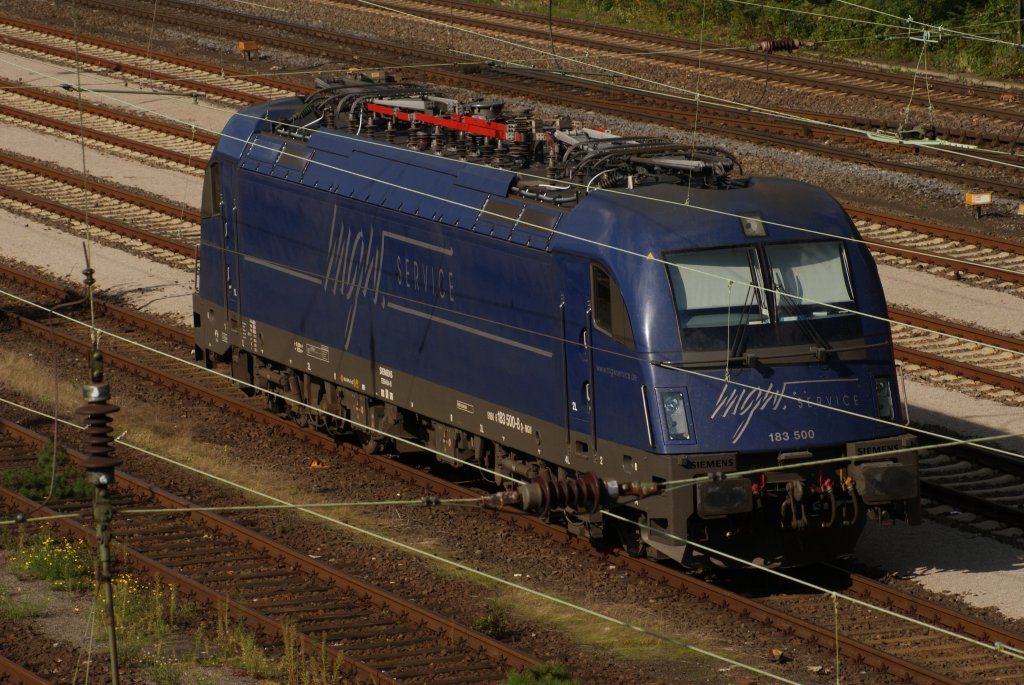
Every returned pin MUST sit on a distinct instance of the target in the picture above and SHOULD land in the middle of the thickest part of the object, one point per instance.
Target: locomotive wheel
(371, 443)
(629, 535)
(276, 405)
(375, 443)
(303, 417)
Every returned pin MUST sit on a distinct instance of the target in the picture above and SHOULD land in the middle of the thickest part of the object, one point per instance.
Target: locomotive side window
(715, 288)
(610, 313)
(211, 192)
(808, 277)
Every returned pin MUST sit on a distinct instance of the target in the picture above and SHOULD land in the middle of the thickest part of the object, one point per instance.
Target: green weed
(67, 564)
(34, 481)
(494, 623)
(541, 674)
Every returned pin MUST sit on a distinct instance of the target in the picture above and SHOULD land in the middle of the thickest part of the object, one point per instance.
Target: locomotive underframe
(800, 514)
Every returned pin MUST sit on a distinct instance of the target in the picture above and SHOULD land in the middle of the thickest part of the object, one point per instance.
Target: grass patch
(494, 623)
(66, 564)
(19, 609)
(230, 644)
(541, 674)
(606, 636)
(35, 481)
(147, 616)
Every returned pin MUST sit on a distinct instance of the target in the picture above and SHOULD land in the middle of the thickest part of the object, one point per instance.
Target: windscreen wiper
(821, 348)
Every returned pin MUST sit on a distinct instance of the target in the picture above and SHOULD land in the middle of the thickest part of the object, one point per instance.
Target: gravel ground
(940, 558)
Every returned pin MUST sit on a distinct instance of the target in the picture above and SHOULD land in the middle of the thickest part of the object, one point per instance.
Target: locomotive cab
(769, 388)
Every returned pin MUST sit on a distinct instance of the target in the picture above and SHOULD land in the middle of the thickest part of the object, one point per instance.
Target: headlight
(883, 398)
(673, 406)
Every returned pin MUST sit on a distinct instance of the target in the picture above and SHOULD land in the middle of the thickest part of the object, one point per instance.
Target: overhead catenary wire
(646, 257)
(312, 508)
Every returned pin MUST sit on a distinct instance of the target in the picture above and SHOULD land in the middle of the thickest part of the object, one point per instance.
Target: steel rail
(99, 187)
(149, 54)
(907, 604)
(931, 323)
(141, 121)
(1010, 516)
(946, 232)
(962, 369)
(82, 58)
(117, 227)
(135, 319)
(928, 257)
(250, 539)
(13, 673)
(107, 138)
(822, 636)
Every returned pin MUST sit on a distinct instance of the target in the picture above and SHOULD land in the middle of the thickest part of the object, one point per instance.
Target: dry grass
(625, 641)
(149, 427)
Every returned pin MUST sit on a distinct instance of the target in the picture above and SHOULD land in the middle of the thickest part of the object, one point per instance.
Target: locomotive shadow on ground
(946, 555)
(161, 297)
(936, 547)
(942, 554)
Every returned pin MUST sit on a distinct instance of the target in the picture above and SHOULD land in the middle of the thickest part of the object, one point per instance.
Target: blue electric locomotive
(597, 316)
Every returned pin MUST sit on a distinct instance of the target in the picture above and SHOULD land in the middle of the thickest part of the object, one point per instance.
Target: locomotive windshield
(716, 288)
(758, 301)
(808, 278)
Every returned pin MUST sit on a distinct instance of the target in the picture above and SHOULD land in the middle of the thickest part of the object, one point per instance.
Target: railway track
(112, 130)
(151, 227)
(606, 97)
(981, 488)
(169, 72)
(993, 280)
(972, 359)
(375, 636)
(908, 666)
(966, 256)
(710, 60)
(898, 241)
